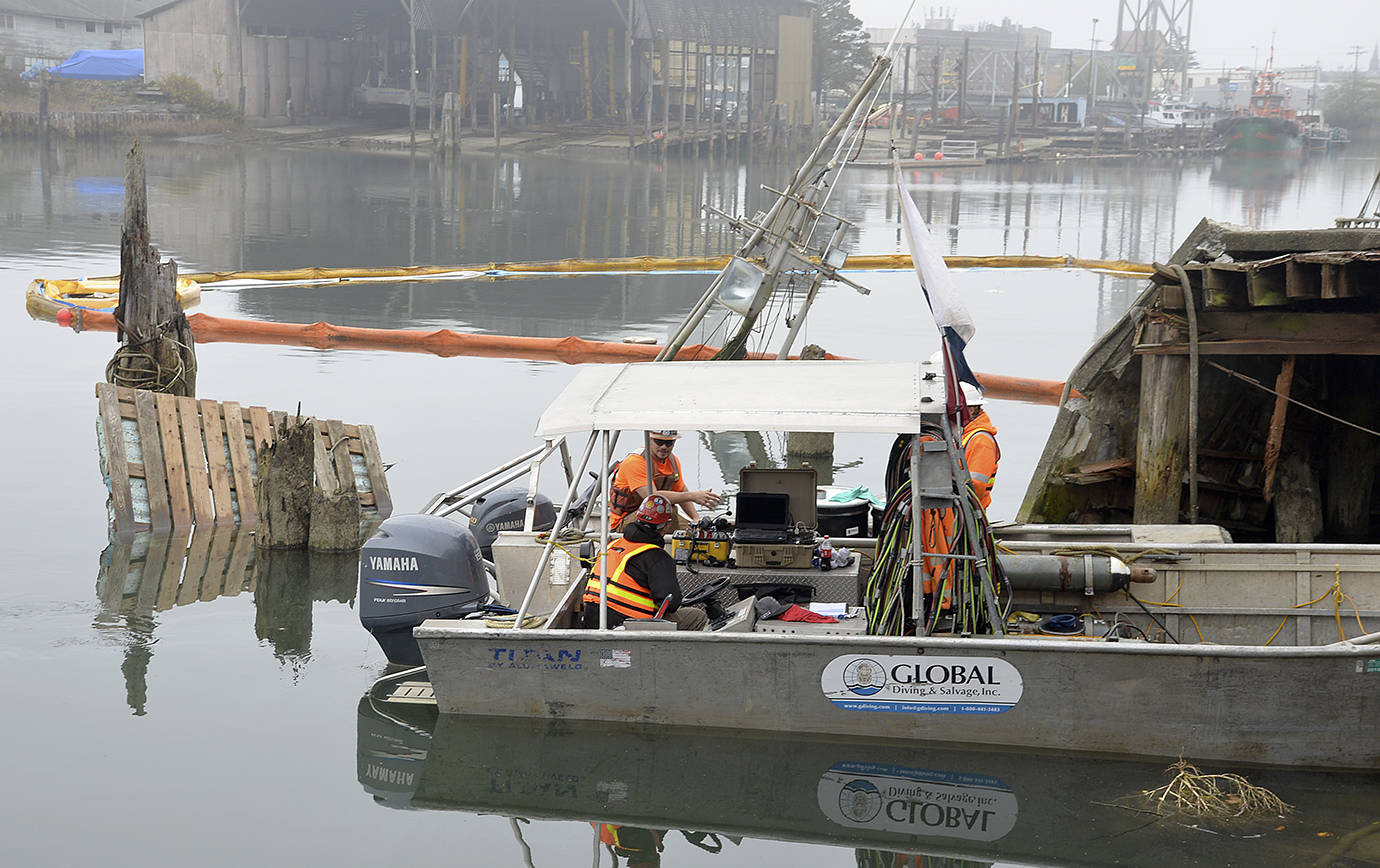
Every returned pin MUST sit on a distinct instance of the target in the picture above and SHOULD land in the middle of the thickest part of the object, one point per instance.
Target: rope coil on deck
(505, 622)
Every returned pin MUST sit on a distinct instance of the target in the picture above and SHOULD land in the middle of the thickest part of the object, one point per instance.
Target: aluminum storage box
(799, 483)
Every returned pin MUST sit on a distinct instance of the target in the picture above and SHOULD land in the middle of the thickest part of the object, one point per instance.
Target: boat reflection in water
(1268, 174)
(878, 798)
(1262, 182)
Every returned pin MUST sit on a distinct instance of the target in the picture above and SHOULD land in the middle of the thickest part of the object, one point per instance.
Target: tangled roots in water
(1192, 793)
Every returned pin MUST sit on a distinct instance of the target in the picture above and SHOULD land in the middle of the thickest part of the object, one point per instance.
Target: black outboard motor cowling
(506, 509)
(414, 568)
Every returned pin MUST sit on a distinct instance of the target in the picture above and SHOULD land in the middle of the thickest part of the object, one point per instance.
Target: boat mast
(780, 238)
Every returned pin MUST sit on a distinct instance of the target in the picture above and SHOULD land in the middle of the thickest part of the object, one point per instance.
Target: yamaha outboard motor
(506, 509)
(414, 568)
(393, 741)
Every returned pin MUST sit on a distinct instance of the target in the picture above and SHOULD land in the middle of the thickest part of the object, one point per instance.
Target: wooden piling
(305, 493)
(43, 108)
(1297, 498)
(816, 445)
(157, 350)
(1161, 439)
(494, 112)
(283, 491)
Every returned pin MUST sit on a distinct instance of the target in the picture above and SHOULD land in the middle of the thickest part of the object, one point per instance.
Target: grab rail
(1368, 639)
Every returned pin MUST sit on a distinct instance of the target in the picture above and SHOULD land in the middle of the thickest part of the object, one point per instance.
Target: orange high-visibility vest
(626, 595)
(632, 475)
(629, 840)
(981, 454)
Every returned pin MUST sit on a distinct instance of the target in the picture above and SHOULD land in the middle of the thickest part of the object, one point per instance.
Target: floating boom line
(447, 343)
(620, 266)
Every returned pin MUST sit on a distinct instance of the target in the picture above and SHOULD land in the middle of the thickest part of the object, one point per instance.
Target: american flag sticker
(615, 658)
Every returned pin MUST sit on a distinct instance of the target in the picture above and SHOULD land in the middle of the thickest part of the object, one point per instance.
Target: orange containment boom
(447, 343)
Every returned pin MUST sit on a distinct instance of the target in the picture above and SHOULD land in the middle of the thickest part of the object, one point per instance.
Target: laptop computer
(763, 517)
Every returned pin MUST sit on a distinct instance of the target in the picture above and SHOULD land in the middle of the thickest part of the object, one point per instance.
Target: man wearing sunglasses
(630, 482)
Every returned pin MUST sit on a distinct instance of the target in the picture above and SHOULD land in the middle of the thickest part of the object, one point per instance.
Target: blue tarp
(101, 65)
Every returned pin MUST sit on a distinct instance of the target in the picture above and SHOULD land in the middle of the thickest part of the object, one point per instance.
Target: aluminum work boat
(1246, 657)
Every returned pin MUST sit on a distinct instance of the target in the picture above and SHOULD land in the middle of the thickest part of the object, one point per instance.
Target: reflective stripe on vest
(963, 444)
(625, 595)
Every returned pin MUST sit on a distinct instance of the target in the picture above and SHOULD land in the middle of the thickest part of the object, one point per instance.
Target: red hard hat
(655, 510)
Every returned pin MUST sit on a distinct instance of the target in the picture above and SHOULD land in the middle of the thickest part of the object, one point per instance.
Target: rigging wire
(1259, 385)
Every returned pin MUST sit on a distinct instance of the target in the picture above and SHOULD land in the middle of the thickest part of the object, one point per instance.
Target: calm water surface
(217, 721)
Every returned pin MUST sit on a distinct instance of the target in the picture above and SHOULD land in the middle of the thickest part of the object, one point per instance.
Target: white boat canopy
(837, 396)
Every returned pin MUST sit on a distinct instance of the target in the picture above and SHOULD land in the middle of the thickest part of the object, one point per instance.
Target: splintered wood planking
(174, 463)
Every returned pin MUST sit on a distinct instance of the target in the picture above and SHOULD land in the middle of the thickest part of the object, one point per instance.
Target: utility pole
(963, 84)
(1356, 52)
(411, 7)
(239, 48)
(935, 73)
(1015, 100)
(905, 93)
(1092, 70)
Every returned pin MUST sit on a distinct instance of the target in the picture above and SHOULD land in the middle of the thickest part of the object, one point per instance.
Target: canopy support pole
(607, 453)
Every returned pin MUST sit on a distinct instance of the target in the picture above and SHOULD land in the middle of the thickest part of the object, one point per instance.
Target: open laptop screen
(769, 510)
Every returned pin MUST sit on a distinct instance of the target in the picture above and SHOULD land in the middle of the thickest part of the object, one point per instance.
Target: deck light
(741, 280)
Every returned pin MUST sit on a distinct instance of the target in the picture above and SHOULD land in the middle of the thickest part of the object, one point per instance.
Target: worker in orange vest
(979, 444)
(641, 576)
(630, 482)
(641, 847)
(981, 455)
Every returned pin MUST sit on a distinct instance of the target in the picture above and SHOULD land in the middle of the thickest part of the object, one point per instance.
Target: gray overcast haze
(1225, 32)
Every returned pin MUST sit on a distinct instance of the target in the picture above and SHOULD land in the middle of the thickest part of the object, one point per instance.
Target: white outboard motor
(414, 568)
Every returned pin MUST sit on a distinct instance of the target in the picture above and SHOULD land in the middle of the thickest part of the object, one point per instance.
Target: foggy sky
(1224, 32)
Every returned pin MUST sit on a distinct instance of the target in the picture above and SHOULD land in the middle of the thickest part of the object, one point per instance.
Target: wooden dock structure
(172, 463)
(1238, 390)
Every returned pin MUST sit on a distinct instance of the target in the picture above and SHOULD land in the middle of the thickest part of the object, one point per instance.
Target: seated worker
(630, 482)
(641, 575)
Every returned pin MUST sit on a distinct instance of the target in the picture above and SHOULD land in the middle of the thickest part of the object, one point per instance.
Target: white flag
(948, 309)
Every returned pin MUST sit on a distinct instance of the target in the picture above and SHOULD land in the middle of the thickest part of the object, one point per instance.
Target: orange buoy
(939, 155)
